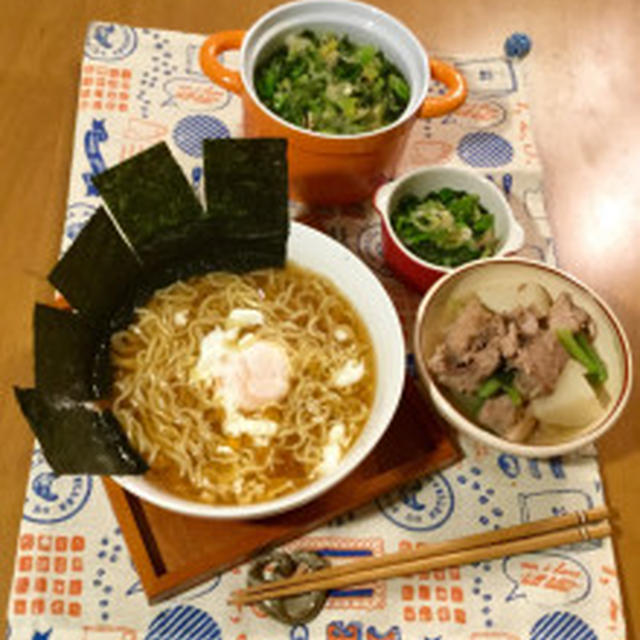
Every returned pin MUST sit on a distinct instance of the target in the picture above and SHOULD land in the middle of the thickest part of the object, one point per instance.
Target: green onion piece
(470, 404)
(399, 87)
(600, 375)
(573, 348)
(489, 388)
(513, 394)
(366, 53)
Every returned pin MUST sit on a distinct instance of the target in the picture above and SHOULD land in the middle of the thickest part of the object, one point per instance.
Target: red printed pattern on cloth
(104, 88)
(48, 579)
(433, 596)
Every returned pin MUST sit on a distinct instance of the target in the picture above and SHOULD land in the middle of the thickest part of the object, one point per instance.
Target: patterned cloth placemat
(73, 576)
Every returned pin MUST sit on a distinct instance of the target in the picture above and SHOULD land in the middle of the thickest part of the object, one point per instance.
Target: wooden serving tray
(173, 552)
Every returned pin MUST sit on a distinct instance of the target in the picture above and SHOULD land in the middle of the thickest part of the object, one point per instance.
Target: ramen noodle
(242, 388)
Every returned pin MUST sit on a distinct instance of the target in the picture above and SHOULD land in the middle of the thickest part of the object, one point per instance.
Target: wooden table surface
(584, 92)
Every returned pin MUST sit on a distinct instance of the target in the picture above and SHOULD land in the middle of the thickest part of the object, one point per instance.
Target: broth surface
(199, 442)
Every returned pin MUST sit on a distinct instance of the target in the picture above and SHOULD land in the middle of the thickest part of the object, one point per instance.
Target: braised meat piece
(473, 329)
(470, 353)
(499, 414)
(509, 343)
(526, 321)
(539, 363)
(507, 420)
(566, 315)
(521, 324)
(533, 350)
(464, 376)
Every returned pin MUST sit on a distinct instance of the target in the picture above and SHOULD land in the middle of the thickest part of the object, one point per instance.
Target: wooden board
(173, 552)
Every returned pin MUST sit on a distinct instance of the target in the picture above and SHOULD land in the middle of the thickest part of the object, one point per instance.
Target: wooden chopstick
(455, 558)
(524, 530)
(531, 536)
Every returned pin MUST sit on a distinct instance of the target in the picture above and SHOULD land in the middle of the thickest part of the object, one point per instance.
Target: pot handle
(455, 96)
(213, 46)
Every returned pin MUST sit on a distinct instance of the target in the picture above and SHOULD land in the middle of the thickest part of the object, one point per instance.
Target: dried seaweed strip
(149, 195)
(77, 439)
(246, 186)
(64, 353)
(98, 270)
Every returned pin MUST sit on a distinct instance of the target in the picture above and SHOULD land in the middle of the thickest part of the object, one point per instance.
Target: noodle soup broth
(239, 389)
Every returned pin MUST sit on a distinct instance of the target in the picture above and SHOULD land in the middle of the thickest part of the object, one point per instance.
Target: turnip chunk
(506, 297)
(572, 404)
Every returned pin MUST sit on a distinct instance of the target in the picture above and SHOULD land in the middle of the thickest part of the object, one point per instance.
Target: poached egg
(247, 374)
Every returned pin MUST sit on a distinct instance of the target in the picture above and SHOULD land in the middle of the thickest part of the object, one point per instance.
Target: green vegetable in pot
(327, 83)
(445, 227)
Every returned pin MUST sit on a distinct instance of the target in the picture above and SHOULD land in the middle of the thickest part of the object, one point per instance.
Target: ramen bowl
(319, 253)
(503, 275)
(420, 273)
(326, 168)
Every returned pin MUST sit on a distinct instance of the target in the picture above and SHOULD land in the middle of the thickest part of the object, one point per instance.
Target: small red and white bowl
(414, 270)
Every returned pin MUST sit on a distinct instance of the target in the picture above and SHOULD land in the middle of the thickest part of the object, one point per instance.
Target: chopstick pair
(523, 538)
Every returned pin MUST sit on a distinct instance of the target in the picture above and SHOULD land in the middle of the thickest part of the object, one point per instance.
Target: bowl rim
(385, 214)
(393, 383)
(303, 5)
(479, 433)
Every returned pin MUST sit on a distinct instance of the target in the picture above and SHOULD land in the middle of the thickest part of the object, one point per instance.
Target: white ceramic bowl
(319, 253)
(481, 277)
(418, 272)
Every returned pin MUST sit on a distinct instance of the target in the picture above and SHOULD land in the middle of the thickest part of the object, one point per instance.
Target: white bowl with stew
(318, 252)
(498, 279)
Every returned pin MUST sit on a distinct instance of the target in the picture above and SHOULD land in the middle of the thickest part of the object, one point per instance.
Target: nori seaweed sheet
(98, 270)
(190, 239)
(102, 371)
(203, 242)
(246, 186)
(76, 439)
(149, 196)
(236, 255)
(64, 353)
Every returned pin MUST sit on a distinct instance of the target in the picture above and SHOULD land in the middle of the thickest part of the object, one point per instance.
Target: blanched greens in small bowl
(445, 227)
(327, 83)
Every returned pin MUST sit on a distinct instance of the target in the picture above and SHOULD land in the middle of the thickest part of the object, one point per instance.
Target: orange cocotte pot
(328, 168)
